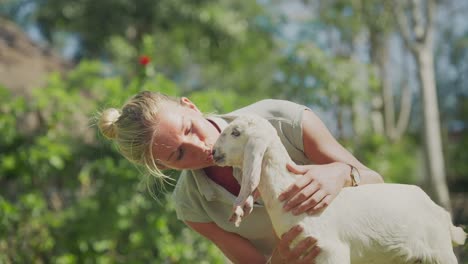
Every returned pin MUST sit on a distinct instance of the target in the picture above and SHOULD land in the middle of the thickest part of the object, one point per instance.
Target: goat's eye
(235, 132)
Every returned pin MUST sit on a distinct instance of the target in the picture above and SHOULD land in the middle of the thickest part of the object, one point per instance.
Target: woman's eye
(190, 128)
(181, 154)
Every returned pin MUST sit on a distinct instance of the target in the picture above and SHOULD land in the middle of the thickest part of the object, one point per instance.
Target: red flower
(144, 60)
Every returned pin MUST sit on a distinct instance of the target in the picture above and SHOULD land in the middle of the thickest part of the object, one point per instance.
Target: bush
(68, 196)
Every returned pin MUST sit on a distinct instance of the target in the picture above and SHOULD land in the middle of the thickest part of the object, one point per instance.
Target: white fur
(374, 223)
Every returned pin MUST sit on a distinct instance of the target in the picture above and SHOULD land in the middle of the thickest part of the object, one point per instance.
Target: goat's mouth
(218, 159)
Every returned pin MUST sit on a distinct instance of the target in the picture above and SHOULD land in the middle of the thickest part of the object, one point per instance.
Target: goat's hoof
(248, 205)
(237, 215)
(235, 219)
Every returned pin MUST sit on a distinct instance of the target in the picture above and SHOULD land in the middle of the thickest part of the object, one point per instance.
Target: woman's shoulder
(185, 185)
(188, 200)
(285, 116)
(272, 108)
(192, 184)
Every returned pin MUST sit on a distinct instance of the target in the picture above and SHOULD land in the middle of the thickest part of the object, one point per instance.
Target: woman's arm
(322, 182)
(235, 247)
(322, 148)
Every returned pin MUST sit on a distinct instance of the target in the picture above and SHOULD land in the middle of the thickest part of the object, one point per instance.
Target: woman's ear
(184, 101)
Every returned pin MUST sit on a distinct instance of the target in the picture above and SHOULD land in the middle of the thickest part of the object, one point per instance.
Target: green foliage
(69, 198)
(457, 157)
(219, 102)
(199, 44)
(313, 76)
(355, 17)
(456, 145)
(397, 163)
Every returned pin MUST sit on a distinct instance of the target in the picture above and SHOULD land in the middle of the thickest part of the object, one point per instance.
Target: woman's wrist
(275, 257)
(348, 181)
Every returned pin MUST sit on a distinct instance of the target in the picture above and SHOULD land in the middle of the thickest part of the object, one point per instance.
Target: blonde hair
(133, 128)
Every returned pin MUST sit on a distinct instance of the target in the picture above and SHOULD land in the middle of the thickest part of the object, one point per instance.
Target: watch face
(356, 176)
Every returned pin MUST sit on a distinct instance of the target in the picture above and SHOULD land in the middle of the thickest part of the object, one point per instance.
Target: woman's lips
(209, 155)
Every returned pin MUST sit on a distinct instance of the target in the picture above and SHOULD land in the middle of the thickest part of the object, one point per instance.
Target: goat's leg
(253, 156)
(241, 209)
(243, 204)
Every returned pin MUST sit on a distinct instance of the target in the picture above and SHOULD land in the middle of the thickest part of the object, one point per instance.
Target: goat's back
(377, 219)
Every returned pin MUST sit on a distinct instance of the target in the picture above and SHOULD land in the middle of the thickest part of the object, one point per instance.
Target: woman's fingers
(324, 203)
(304, 199)
(287, 238)
(310, 256)
(310, 202)
(312, 192)
(296, 169)
(298, 185)
(304, 252)
(301, 247)
(294, 188)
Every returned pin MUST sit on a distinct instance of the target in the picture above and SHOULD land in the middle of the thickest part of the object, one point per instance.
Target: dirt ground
(24, 65)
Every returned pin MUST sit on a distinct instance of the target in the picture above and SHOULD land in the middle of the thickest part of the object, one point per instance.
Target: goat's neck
(275, 176)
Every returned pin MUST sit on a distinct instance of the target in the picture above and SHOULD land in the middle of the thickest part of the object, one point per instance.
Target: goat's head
(243, 144)
(245, 137)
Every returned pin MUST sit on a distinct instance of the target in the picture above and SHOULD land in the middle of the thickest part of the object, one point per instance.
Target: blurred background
(389, 78)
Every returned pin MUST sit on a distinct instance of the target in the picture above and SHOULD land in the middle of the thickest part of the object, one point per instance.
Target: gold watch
(355, 176)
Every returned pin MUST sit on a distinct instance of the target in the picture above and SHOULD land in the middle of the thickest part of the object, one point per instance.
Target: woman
(163, 132)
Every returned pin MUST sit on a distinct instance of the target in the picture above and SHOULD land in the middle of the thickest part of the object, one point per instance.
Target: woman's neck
(223, 176)
(215, 125)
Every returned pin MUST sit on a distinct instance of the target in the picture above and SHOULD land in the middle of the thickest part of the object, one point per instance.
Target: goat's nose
(213, 152)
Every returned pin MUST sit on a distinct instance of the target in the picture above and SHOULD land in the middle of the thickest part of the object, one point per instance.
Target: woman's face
(184, 138)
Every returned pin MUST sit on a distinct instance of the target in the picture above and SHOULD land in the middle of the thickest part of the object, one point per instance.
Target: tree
(201, 45)
(415, 21)
(369, 24)
(378, 20)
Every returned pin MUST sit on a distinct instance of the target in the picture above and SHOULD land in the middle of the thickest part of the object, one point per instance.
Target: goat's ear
(253, 157)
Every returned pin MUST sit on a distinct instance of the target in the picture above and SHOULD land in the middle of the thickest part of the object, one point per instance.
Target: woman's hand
(304, 252)
(319, 186)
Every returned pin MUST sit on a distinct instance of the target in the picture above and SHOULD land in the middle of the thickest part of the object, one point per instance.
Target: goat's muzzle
(217, 156)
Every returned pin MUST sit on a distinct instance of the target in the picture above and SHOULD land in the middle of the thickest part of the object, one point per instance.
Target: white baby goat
(373, 223)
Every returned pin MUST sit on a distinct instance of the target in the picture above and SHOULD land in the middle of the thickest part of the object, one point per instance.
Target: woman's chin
(211, 163)
(210, 160)
(206, 164)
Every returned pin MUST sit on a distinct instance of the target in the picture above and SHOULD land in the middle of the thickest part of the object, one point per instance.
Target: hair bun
(107, 123)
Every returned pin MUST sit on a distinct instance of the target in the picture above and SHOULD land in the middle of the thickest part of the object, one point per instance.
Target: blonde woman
(161, 132)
